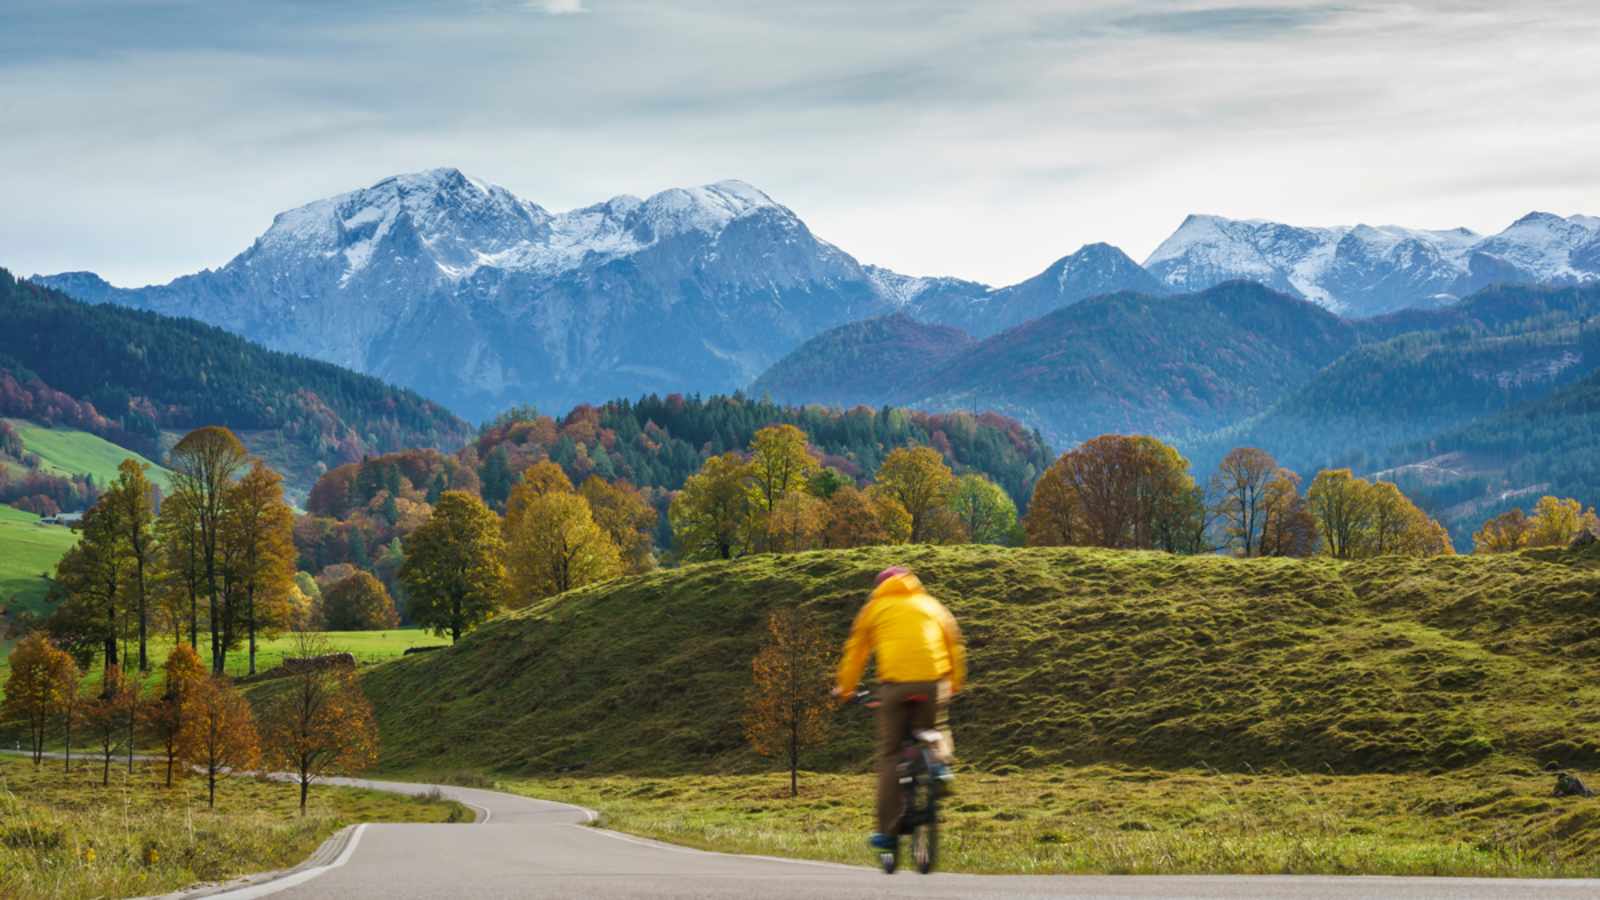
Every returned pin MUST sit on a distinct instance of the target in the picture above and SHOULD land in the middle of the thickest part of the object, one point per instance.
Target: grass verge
(1490, 821)
(63, 835)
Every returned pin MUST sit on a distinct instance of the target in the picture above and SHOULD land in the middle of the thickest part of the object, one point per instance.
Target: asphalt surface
(533, 848)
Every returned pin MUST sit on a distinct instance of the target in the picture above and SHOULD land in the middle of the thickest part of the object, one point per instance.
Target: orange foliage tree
(788, 706)
(219, 731)
(42, 679)
(319, 723)
(164, 717)
(109, 715)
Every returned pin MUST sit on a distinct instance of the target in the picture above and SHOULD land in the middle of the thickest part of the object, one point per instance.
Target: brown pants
(896, 719)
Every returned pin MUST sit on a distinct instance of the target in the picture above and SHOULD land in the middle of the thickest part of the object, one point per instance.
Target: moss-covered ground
(1483, 821)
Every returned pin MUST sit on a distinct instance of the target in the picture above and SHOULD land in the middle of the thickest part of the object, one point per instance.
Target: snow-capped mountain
(1094, 270)
(474, 297)
(1364, 270)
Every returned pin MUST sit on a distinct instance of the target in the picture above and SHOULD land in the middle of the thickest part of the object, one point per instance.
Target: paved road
(533, 848)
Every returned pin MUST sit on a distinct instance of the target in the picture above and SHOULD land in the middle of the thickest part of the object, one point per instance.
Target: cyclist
(920, 657)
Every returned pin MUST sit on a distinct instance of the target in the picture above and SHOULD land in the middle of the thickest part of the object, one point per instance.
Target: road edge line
(294, 878)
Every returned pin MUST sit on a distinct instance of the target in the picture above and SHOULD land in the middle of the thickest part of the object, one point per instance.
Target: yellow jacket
(914, 636)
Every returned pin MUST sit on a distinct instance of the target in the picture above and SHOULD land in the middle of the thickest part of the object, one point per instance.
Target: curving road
(534, 848)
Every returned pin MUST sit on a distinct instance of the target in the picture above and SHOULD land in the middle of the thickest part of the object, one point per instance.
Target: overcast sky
(145, 139)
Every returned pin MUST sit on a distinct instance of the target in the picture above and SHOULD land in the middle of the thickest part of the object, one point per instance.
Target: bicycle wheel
(925, 837)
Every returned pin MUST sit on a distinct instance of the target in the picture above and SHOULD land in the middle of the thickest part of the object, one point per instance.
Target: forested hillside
(660, 441)
(128, 375)
(1370, 406)
(1130, 363)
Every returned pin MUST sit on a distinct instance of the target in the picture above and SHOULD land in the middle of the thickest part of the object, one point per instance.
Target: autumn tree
(358, 603)
(109, 716)
(1340, 506)
(183, 573)
(1505, 533)
(165, 716)
(796, 523)
(218, 732)
(984, 510)
(788, 706)
(712, 515)
(1240, 486)
(1287, 526)
(454, 572)
(318, 722)
(258, 526)
(130, 500)
(557, 546)
(780, 464)
(1359, 519)
(538, 480)
(204, 465)
(1054, 517)
(630, 520)
(1556, 522)
(851, 519)
(91, 576)
(1119, 491)
(41, 677)
(921, 481)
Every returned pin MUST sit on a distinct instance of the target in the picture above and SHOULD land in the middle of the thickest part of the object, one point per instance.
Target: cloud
(560, 7)
(931, 136)
(1229, 21)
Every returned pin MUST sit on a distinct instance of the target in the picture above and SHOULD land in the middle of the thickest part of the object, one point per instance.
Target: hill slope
(129, 375)
(862, 362)
(27, 550)
(66, 451)
(1123, 362)
(1076, 655)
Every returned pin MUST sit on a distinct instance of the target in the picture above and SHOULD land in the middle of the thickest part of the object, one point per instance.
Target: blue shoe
(881, 841)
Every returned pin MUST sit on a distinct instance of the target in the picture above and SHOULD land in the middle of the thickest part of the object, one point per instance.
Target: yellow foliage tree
(454, 571)
(623, 512)
(555, 546)
(780, 464)
(1556, 522)
(789, 704)
(921, 481)
(258, 526)
(712, 515)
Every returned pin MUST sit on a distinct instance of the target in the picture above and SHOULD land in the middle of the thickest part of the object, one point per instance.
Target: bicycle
(921, 773)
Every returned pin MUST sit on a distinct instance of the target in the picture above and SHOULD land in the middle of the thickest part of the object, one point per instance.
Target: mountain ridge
(481, 300)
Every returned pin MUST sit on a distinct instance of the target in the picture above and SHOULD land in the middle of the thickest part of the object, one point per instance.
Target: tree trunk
(169, 766)
(305, 785)
(194, 617)
(794, 761)
(144, 621)
(211, 787)
(215, 621)
(250, 624)
(105, 773)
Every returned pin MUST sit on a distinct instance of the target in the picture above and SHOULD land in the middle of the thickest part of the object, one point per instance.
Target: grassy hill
(1078, 657)
(27, 549)
(67, 451)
